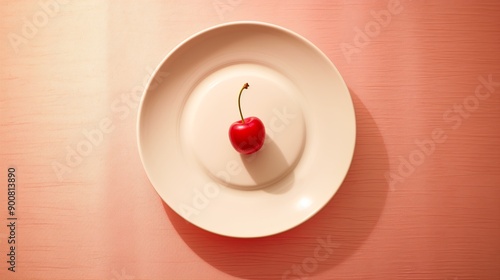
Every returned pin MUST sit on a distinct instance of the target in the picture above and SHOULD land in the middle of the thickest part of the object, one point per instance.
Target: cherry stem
(245, 86)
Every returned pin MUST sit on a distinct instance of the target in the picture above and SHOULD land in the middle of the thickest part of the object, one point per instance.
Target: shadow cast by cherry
(263, 164)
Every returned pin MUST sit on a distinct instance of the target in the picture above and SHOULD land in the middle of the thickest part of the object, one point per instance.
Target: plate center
(211, 109)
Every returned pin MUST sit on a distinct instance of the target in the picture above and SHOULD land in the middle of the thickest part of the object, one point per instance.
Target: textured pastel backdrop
(421, 201)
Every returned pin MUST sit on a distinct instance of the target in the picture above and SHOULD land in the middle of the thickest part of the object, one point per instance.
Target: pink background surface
(405, 211)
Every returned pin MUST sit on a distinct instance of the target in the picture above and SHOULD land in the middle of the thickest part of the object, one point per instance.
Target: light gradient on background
(83, 70)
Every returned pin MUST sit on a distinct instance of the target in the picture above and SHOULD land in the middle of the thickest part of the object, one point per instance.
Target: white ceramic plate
(191, 101)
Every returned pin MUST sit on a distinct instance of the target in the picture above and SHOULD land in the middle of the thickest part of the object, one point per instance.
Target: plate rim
(294, 34)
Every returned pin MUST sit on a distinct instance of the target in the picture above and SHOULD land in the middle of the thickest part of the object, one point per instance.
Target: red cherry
(247, 135)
